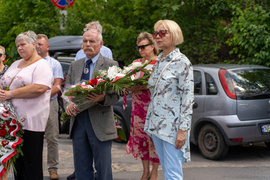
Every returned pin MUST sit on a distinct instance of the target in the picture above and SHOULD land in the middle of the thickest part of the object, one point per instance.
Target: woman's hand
(180, 139)
(93, 97)
(4, 95)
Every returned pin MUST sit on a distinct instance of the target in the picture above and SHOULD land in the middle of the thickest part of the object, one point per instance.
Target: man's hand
(180, 139)
(93, 97)
(70, 110)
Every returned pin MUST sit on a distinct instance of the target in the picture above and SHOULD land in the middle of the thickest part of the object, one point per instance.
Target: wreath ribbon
(11, 151)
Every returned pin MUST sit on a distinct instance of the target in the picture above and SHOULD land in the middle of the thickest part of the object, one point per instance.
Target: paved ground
(125, 167)
(242, 163)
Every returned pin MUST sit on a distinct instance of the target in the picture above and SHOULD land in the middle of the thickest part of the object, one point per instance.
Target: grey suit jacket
(100, 115)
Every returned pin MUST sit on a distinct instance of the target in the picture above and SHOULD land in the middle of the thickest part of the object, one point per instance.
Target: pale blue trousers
(171, 159)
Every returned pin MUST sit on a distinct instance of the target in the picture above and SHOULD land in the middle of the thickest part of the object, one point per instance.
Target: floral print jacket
(171, 103)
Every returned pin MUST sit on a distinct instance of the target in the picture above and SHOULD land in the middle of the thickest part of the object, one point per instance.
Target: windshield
(251, 83)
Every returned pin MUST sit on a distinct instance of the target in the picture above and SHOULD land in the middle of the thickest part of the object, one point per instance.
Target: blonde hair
(40, 36)
(149, 37)
(1, 47)
(96, 24)
(175, 30)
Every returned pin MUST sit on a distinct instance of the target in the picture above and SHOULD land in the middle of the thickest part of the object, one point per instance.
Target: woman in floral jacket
(169, 114)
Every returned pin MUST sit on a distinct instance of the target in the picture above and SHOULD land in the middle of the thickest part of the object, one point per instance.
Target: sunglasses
(142, 46)
(1, 55)
(161, 33)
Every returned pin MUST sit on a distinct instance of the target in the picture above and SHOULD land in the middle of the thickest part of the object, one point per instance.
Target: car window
(251, 83)
(211, 87)
(65, 67)
(197, 83)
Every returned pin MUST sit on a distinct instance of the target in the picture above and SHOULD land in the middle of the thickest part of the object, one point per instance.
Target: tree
(250, 35)
(214, 31)
(17, 17)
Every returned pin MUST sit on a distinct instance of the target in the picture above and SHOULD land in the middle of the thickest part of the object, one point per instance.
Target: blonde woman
(169, 114)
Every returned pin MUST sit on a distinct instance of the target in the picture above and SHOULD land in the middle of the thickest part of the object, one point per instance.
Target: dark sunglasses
(161, 33)
(1, 55)
(142, 46)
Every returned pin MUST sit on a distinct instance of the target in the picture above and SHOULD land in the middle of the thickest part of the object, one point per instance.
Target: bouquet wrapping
(77, 95)
(113, 80)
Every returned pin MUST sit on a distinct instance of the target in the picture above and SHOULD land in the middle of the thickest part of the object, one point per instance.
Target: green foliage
(250, 35)
(22, 15)
(214, 31)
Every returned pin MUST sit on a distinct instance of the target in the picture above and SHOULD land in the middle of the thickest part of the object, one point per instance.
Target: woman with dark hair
(140, 145)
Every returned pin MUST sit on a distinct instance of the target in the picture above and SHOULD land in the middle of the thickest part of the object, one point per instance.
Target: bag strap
(13, 78)
(20, 71)
(162, 73)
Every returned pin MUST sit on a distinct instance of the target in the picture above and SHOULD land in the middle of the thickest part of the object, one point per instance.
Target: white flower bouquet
(113, 80)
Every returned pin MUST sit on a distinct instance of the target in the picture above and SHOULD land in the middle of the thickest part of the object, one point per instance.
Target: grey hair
(96, 24)
(100, 38)
(29, 36)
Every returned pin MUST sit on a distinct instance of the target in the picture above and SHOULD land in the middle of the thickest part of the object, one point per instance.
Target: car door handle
(195, 105)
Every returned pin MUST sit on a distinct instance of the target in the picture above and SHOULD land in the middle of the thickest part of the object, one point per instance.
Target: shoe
(72, 176)
(53, 175)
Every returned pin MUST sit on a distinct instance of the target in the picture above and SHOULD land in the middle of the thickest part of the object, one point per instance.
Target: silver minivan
(232, 107)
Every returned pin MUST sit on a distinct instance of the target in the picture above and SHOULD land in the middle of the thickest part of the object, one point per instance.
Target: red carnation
(11, 128)
(92, 82)
(3, 132)
(8, 123)
(4, 143)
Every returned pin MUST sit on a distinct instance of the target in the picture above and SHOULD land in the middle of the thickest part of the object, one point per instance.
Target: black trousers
(29, 166)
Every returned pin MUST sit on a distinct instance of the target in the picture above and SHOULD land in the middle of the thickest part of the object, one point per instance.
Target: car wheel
(63, 126)
(211, 143)
(121, 127)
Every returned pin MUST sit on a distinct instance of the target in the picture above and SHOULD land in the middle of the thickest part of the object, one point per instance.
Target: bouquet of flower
(113, 80)
(10, 137)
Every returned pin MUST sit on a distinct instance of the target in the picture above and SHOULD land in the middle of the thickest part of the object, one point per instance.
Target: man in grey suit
(93, 129)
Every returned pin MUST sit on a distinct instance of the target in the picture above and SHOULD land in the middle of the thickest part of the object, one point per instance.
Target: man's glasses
(1, 55)
(142, 46)
(161, 33)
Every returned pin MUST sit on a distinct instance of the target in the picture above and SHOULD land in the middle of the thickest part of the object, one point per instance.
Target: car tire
(211, 143)
(63, 126)
(122, 124)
